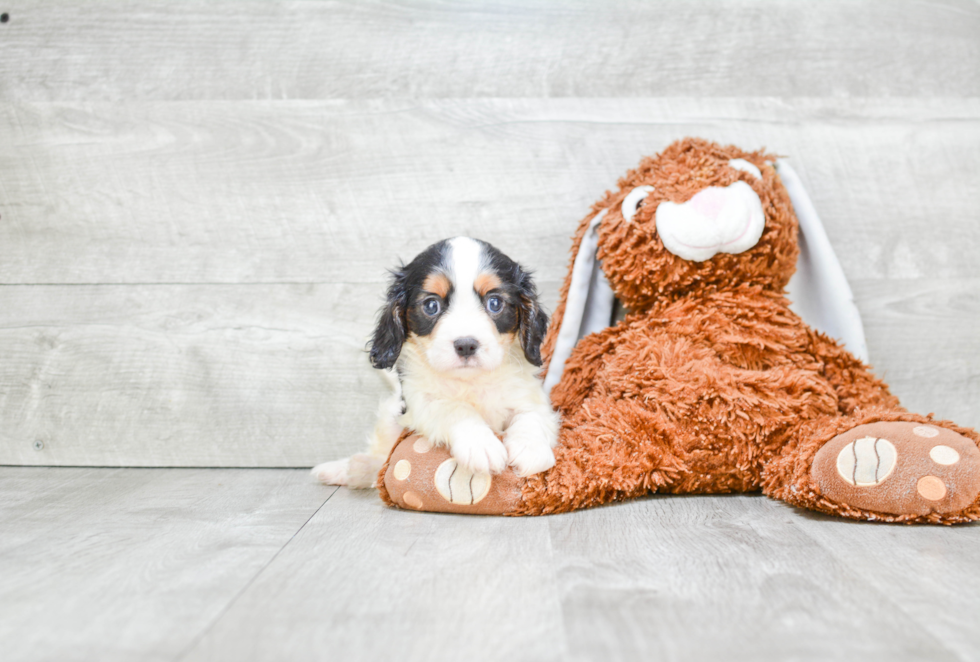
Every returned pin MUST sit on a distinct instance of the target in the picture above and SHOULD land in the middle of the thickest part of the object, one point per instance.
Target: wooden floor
(263, 564)
(198, 205)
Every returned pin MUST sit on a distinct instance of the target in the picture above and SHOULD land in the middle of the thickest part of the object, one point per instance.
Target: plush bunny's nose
(710, 201)
(716, 220)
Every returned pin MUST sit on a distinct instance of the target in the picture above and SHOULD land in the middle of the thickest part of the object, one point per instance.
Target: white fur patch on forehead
(467, 259)
(465, 317)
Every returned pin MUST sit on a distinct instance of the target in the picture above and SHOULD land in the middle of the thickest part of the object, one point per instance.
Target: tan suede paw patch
(421, 476)
(899, 468)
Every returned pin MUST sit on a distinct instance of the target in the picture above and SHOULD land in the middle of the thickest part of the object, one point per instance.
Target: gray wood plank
(924, 340)
(276, 375)
(929, 574)
(735, 578)
(334, 191)
(134, 564)
(259, 375)
(362, 581)
(143, 50)
(184, 564)
(675, 578)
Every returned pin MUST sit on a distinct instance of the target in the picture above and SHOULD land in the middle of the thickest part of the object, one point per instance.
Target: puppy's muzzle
(466, 347)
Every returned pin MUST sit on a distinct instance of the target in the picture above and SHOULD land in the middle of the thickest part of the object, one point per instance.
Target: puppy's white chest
(496, 413)
(496, 398)
(491, 401)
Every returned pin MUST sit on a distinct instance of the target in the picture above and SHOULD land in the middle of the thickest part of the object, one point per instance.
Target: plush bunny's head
(697, 215)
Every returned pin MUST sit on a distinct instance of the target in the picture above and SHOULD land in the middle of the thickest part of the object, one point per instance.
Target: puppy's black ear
(389, 335)
(533, 322)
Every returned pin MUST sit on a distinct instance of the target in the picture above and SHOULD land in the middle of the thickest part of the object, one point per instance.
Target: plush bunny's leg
(421, 476)
(881, 465)
(609, 450)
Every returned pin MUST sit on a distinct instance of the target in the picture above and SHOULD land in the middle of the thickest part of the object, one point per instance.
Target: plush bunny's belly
(720, 385)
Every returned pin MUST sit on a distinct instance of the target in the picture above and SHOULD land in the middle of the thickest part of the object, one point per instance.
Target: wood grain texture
(924, 339)
(930, 576)
(362, 581)
(735, 578)
(276, 375)
(134, 564)
(333, 192)
(674, 578)
(66, 51)
(198, 202)
(142, 564)
(257, 375)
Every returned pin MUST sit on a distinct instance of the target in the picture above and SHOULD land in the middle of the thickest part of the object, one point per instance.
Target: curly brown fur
(711, 384)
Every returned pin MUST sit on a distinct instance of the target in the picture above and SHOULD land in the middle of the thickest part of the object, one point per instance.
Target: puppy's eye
(634, 200)
(494, 304)
(431, 307)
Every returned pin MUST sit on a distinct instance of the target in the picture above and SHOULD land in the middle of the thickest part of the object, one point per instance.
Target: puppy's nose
(466, 346)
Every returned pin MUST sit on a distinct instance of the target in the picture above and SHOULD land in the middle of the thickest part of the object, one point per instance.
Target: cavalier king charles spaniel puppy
(460, 339)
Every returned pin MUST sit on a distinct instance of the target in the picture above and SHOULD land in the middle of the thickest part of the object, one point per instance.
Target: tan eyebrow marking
(486, 282)
(437, 284)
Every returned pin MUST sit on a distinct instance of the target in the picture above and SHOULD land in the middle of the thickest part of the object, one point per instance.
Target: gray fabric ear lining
(819, 291)
(589, 306)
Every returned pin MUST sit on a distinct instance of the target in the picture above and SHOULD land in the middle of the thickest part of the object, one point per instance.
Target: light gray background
(198, 201)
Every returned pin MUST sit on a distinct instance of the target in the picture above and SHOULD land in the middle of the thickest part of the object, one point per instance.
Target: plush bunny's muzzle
(716, 220)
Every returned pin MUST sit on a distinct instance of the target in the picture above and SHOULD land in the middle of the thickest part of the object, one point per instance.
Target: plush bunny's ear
(589, 306)
(819, 291)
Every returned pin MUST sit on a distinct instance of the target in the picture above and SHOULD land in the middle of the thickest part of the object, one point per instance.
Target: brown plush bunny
(710, 383)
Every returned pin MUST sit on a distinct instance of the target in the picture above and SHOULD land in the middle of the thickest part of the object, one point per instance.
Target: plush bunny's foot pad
(420, 476)
(899, 468)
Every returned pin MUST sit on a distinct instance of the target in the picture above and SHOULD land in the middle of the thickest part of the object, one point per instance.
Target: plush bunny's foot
(901, 468)
(420, 476)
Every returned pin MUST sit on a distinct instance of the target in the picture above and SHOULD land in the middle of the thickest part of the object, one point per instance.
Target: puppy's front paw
(477, 448)
(528, 453)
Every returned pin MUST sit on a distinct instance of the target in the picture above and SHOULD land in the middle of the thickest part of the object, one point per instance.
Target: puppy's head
(462, 304)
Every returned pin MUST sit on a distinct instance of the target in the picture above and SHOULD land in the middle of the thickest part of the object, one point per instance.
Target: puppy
(460, 338)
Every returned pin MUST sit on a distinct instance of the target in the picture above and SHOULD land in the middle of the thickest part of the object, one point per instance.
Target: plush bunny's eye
(745, 166)
(634, 200)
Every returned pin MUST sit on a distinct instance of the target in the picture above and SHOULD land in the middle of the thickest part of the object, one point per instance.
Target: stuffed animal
(708, 382)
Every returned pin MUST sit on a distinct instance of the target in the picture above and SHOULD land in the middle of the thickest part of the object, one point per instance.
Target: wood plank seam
(799, 524)
(197, 639)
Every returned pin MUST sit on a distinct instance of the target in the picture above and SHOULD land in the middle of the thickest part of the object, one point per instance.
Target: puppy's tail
(360, 471)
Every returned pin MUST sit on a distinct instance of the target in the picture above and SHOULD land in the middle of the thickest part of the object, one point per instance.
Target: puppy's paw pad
(332, 473)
